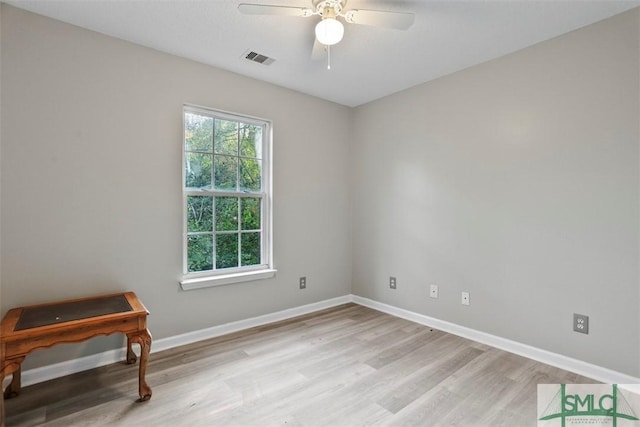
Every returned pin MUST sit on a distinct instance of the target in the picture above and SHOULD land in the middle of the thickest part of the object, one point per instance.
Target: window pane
(250, 248)
(226, 137)
(250, 209)
(250, 172)
(198, 132)
(223, 155)
(226, 170)
(200, 252)
(226, 250)
(226, 213)
(197, 170)
(199, 213)
(250, 141)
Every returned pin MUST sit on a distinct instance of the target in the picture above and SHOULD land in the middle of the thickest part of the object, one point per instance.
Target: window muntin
(226, 199)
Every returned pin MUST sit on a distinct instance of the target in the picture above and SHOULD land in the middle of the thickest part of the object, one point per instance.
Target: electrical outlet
(581, 323)
(433, 291)
(392, 282)
(465, 298)
(303, 282)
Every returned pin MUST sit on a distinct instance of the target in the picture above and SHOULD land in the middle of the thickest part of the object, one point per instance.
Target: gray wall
(515, 180)
(91, 180)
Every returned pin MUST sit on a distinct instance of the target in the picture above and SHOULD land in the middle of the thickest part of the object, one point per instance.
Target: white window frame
(203, 279)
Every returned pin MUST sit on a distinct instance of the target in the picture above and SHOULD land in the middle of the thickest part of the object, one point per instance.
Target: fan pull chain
(328, 57)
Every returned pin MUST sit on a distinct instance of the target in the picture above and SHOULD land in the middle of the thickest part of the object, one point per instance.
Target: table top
(67, 313)
(34, 317)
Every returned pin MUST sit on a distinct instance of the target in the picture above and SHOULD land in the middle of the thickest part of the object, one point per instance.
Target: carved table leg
(144, 339)
(131, 356)
(16, 383)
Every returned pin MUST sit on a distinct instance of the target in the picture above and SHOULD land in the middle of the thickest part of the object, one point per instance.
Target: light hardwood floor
(345, 366)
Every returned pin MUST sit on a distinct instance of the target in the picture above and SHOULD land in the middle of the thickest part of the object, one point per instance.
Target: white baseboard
(45, 373)
(598, 373)
(227, 328)
(68, 367)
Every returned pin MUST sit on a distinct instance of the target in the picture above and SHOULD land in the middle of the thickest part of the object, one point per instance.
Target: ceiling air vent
(257, 57)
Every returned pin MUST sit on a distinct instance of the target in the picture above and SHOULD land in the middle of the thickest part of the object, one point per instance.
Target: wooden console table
(25, 329)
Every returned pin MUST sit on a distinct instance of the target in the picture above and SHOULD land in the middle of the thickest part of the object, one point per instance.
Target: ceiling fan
(329, 30)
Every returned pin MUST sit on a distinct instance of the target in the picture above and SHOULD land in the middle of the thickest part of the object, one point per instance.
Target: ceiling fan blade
(265, 9)
(381, 18)
(319, 51)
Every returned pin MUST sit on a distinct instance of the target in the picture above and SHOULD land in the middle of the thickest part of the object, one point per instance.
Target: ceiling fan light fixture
(329, 31)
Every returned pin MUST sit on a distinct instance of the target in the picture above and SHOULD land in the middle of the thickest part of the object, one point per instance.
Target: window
(226, 198)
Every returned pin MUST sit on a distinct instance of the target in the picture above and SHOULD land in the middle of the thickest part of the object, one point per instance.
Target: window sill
(226, 279)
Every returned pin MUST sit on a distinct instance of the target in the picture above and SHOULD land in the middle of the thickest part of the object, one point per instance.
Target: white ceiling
(369, 63)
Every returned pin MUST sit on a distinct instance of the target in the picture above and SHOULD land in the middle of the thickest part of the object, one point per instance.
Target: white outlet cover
(433, 291)
(465, 298)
